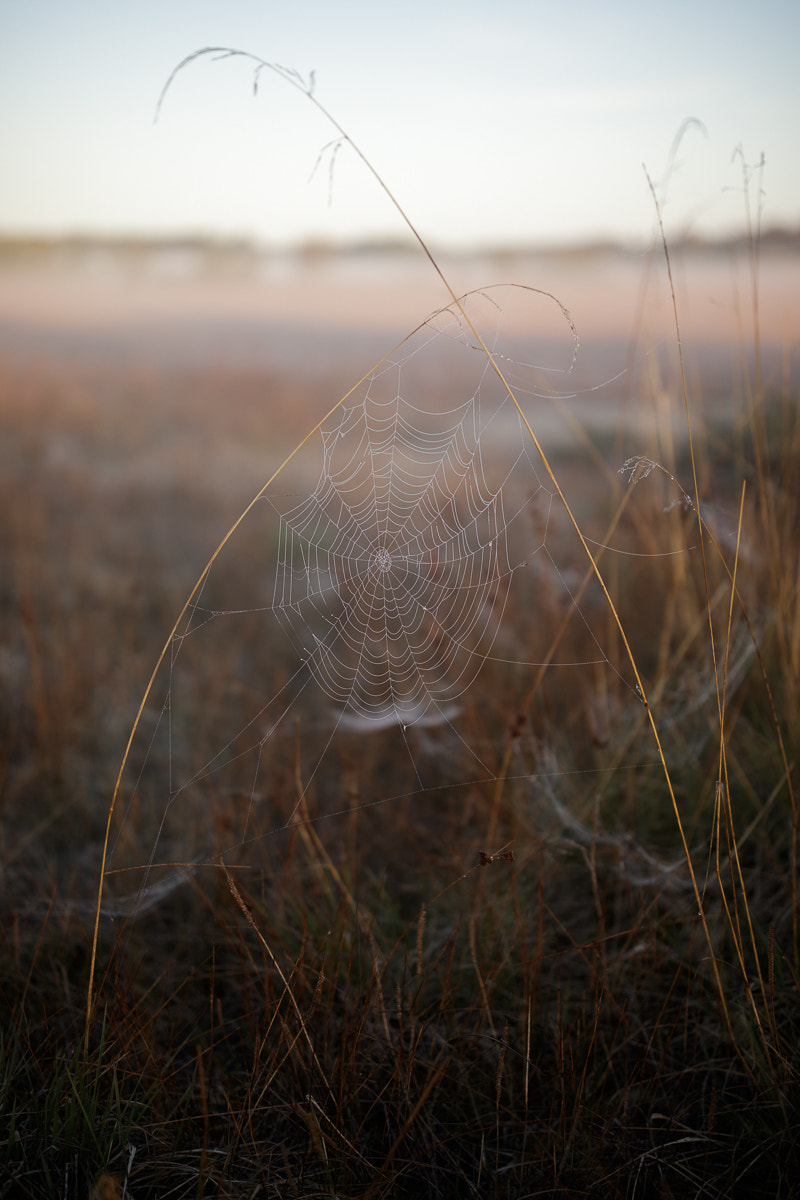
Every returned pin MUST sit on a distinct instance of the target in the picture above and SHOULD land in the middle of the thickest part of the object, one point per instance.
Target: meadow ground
(574, 975)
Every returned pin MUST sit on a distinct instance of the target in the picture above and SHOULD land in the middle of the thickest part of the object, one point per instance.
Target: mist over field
(195, 364)
(316, 319)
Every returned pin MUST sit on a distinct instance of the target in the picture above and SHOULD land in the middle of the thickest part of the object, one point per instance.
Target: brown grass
(571, 973)
(386, 1006)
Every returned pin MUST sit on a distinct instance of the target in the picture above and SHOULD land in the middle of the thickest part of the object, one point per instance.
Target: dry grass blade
(462, 947)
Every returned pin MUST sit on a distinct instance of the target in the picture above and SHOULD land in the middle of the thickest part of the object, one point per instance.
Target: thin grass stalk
(727, 800)
(194, 592)
(430, 1084)
(287, 986)
(307, 90)
(530, 695)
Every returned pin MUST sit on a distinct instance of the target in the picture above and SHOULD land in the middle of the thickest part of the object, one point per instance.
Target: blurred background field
(150, 389)
(147, 391)
(518, 946)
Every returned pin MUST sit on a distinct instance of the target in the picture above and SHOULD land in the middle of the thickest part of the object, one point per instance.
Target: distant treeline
(212, 251)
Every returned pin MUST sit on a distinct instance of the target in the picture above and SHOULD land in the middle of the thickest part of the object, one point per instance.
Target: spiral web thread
(398, 534)
(392, 575)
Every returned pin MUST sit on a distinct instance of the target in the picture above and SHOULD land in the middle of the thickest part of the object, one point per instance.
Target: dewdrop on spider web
(402, 555)
(398, 561)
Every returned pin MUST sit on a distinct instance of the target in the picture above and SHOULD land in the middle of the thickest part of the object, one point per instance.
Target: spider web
(397, 563)
(407, 546)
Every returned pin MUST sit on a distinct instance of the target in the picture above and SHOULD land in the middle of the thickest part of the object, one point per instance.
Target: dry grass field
(540, 939)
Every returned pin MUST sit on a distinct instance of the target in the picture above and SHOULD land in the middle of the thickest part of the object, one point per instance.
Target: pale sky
(492, 123)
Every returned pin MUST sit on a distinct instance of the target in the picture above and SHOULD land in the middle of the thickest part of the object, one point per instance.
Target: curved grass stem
(307, 89)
